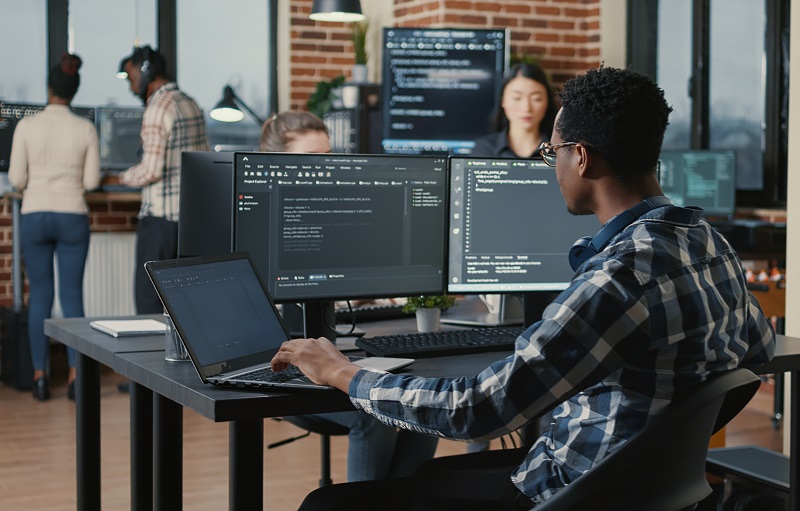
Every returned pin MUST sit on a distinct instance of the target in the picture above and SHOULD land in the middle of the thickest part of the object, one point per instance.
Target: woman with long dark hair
(524, 117)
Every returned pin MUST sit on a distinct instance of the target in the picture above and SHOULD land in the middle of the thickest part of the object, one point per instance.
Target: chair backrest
(662, 468)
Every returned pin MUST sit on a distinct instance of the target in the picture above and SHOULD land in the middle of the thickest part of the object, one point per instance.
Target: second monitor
(510, 231)
(335, 227)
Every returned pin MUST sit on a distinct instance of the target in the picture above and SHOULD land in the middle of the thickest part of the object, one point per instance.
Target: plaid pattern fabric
(661, 308)
(172, 123)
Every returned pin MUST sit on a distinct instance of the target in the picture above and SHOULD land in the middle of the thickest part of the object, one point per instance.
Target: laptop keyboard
(268, 375)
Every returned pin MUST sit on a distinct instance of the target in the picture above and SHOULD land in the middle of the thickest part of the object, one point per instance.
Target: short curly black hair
(618, 113)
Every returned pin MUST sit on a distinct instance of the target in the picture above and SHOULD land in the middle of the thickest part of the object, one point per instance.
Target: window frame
(642, 27)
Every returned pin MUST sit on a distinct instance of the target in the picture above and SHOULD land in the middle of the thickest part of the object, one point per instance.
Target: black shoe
(71, 390)
(124, 387)
(40, 390)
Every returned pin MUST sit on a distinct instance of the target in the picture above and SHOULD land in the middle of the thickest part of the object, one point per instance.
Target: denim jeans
(44, 235)
(156, 239)
(378, 451)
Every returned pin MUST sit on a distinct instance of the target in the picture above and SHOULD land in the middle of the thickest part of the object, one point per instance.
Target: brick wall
(563, 34)
(117, 215)
(319, 51)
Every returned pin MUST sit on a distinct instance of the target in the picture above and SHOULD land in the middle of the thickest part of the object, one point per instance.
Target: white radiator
(108, 279)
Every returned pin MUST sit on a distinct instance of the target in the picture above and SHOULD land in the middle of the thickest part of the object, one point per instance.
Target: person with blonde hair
(375, 450)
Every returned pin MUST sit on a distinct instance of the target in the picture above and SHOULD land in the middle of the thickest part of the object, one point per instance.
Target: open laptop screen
(222, 311)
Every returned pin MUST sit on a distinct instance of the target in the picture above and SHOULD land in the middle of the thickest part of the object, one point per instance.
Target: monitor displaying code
(440, 88)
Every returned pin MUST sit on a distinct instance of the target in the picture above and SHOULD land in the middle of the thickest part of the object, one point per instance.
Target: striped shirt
(651, 316)
(172, 123)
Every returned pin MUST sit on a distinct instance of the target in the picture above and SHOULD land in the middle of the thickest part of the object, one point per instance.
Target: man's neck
(620, 198)
(156, 84)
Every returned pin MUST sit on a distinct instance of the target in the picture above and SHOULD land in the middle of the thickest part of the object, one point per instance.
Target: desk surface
(76, 333)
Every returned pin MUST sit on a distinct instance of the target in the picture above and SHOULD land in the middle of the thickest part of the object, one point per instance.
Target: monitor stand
(471, 311)
(310, 320)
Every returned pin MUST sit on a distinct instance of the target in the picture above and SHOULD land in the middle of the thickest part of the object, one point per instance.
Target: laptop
(227, 321)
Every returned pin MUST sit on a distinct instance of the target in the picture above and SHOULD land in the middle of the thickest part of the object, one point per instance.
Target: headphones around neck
(589, 246)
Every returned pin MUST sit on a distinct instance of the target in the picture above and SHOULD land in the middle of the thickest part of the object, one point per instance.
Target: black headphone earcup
(580, 252)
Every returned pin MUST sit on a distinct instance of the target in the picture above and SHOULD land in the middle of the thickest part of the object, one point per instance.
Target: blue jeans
(378, 451)
(43, 235)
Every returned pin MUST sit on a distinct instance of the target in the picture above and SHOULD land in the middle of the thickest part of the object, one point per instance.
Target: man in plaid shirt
(659, 306)
(172, 123)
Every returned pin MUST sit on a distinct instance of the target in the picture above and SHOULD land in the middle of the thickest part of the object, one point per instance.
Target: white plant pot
(359, 73)
(428, 320)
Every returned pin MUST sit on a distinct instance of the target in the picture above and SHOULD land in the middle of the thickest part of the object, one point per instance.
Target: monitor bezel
(360, 296)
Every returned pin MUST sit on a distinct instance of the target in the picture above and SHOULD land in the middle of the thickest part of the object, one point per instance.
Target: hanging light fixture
(343, 11)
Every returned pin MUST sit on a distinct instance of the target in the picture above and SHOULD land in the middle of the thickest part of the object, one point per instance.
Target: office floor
(37, 451)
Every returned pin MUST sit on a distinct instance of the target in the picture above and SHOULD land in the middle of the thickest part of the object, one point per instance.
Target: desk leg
(167, 454)
(246, 465)
(87, 426)
(141, 448)
(794, 443)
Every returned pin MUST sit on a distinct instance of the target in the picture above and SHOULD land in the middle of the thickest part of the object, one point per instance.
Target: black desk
(177, 385)
(92, 349)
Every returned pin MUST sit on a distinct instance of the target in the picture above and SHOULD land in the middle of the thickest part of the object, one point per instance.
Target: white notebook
(126, 327)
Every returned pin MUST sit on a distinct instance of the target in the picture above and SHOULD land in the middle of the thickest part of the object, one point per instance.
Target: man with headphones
(658, 302)
(172, 123)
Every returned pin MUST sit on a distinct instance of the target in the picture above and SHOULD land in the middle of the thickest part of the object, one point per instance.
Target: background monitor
(205, 219)
(11, 113)
(119, 131)
(440, 87)
(510, 230)
(337, 227)
(703, 178)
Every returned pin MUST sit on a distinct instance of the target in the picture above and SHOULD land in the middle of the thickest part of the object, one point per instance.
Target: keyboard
(439, 344)
(268, 375)
(367, 313)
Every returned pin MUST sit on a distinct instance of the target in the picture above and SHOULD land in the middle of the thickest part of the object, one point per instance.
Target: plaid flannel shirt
(172, 123)
(651, 316)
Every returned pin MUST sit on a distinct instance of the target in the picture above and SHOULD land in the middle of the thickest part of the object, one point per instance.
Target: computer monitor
(440, 87)
(119, 131)
(324, 227)
(205, 219)
(509, 228)
(703, 178)
(10, 115)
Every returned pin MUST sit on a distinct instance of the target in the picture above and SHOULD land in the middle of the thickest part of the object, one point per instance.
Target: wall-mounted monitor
(440, 87)
(703, 178)
(119, 131)
(338, 227)
(510, 231)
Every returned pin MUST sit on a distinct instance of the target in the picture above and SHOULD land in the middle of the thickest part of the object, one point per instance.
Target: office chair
(325, 430)
(663, 467)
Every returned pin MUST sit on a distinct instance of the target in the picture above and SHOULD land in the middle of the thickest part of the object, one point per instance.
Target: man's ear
(584, 160)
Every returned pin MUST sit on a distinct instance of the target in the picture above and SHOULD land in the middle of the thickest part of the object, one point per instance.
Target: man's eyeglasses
(548, 151)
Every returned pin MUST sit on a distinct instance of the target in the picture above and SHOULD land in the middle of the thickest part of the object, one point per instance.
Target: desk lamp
(227, 110)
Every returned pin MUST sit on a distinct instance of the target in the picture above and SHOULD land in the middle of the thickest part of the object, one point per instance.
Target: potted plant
(359, 37)
(428, 310)
(324, 96)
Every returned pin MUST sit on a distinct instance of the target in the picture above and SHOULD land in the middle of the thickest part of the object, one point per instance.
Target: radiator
(108, 279)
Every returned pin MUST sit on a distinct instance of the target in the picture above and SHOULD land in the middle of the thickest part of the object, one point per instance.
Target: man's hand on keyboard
(319, 360)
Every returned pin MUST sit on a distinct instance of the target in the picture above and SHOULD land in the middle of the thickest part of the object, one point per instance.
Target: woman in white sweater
(54, 159)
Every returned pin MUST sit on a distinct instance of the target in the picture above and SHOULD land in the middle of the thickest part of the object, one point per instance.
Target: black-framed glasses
(548, 151)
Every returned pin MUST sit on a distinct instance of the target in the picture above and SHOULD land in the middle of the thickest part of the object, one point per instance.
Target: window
(102, 32)
(737, 87)
(723, 65)
(23, 62)
(221, 44)
(674, 69)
